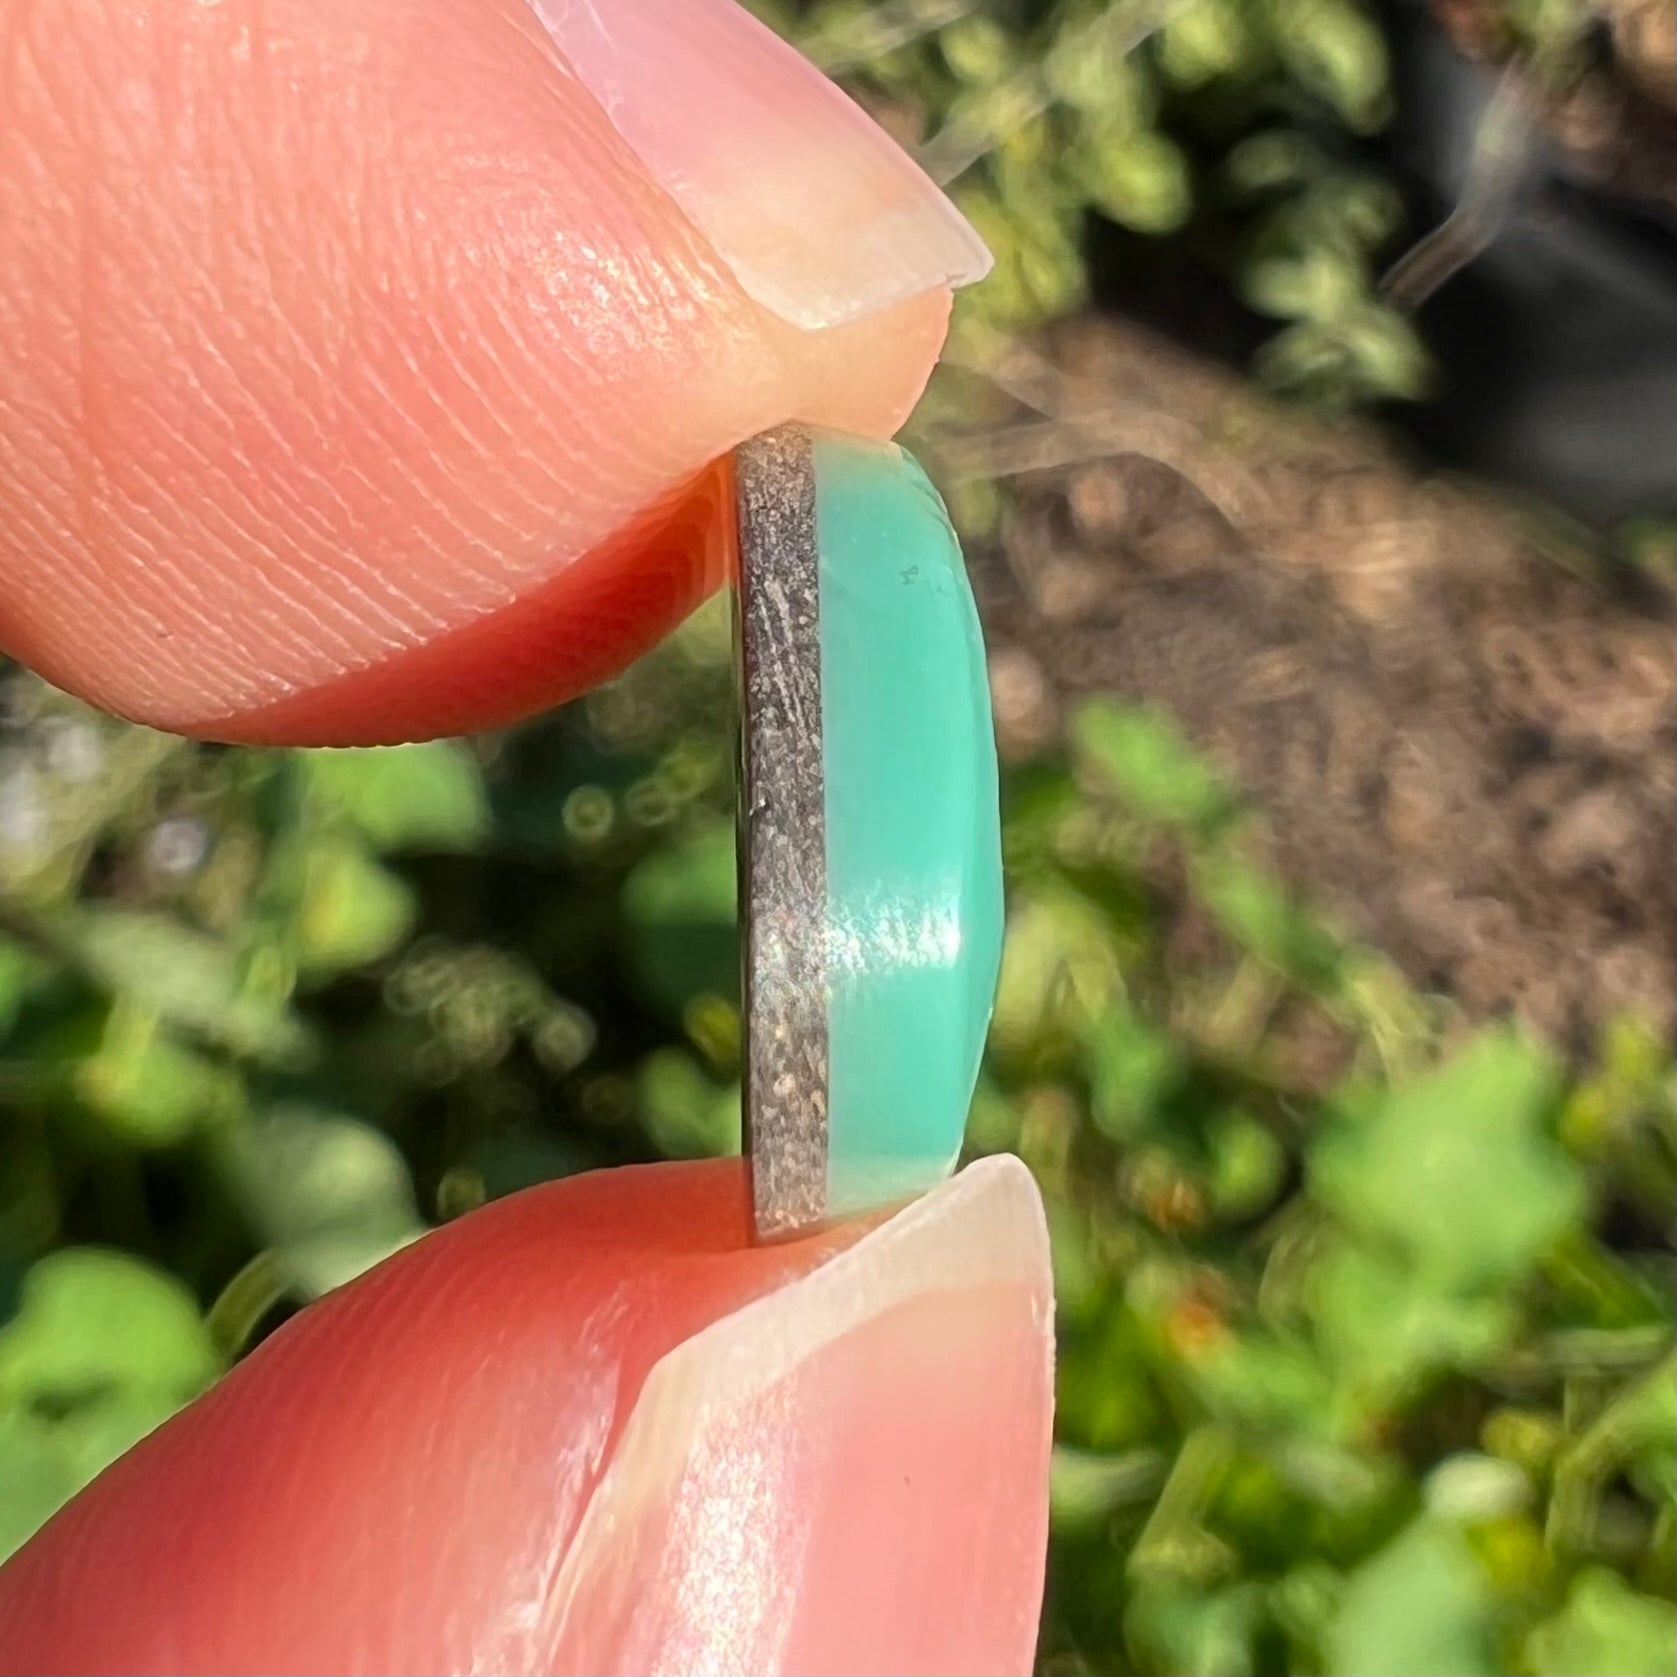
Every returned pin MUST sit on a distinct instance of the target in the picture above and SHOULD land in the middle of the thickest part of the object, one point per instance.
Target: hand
(591, 1429)
(360, 375)
(362, 368)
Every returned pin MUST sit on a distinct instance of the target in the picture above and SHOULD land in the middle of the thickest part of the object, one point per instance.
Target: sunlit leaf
(188, 978)
(1386, 1328)
(686, 1113)
(1194, 1632)
(1458, 1169)
(1202, 41)
(1420, 1605)
(403, 797)
(331, 1195)
(1133, 1066)
(1336, 50)
(1059, 971)
(1260, 914)
(92, 1321)
(1606, 1630)
(1142, 181)
(1152, 767)
(36, 1476)
(152, 1091)
(354, 909)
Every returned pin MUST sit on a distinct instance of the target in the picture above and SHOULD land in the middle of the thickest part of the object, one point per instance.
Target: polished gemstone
(913, 845)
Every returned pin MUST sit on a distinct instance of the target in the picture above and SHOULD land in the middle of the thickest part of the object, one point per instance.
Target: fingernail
(819, 214)
(849, 1474)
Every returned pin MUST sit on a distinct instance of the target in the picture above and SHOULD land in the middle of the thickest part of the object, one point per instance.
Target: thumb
(591, 1429)
(361, 365)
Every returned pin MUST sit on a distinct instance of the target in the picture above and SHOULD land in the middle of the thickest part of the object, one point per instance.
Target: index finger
(362, 366)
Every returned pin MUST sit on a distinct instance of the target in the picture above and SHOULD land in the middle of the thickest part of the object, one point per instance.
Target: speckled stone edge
(782, 833)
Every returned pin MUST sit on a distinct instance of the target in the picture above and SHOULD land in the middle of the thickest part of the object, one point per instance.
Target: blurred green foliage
(1350, 1379)
(1230, 127)
(1365, 1316)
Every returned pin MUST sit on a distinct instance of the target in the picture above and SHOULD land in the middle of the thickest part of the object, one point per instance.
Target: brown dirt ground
(1463, 743)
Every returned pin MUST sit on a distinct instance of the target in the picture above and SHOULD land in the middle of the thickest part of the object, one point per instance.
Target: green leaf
(1079, 1284)
(1104, 1397)
(89, 1377)
(1133, 1066)
(1605, 1630)
(118, 1063)
(1148, 762)
(687, 1114)
(403, 797)
(190, 980)
(1085, 1487)
(978, 49)
(1473, 1489)
(1247, 1164)
(1321, 283)
(1340, 55)
(1647, 1423)
(683, 932)
(36, 1477)
(1458, 1169)
(354, 909)
(1201, 42)
(1059, 971)
(1271, 161)
(1258, 1381)
(1385, 1330)
(1386, 351)
(1095, 72)
(1258, 914)
(1365, 208)
(1421, 1604)
(330, 1194)
(1195, 1633)
(148, 1090)
(93, 1434)
(91, 1321)
(992, 1120)
(1142, 181)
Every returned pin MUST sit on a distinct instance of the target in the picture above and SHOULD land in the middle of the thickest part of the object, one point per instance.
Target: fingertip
(849, 1474)
(304, 437)
(389, 1482)
(608, 606)
(820, 216)
(592, 1427)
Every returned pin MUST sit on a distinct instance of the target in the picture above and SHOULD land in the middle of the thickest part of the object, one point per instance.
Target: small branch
(1025, 95)
(1500, 149)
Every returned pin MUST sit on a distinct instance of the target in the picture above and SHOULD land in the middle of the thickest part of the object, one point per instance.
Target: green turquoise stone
(914, 874)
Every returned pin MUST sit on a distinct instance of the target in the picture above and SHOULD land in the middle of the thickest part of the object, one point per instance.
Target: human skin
(592, 1429)
(364, 371)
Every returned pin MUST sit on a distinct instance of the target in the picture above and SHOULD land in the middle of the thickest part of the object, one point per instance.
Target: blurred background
(1315, 443)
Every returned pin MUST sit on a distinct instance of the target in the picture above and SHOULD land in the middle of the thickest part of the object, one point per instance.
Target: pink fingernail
(820, 215)
(849, 1474)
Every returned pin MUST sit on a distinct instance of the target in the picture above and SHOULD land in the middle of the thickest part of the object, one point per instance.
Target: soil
(1460, 728)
